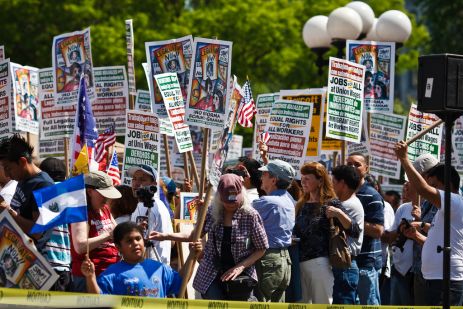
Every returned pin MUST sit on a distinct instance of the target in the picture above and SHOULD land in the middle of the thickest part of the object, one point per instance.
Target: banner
(56, 121)
(264, 104)
(21, 265)
(289, 126)
(385, 131)
(345, 100)
(142, 144)
(25, 98)
(172, 96)
(6, 115)
(143, 101)
(111, 98)
(431, 141)
(317, 97)
(130, 55)
(209, 80)
(379, 61)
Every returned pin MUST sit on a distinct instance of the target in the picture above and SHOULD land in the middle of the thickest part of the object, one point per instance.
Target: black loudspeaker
(440, 83)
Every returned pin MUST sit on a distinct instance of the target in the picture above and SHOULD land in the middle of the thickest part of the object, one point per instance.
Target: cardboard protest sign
(431, 141)
(264, 104)
(379, 61)
(385, 131)
(143, 101)
(289, 126)
(130, 55)
(5, 99)
(317, 97)
(209, 79)
(72, 57)
(142, 143)
(111, 98)
(345, 100)
(56, 121)
(171, 56)
(21, 265)
(172, 96)
(25, 98)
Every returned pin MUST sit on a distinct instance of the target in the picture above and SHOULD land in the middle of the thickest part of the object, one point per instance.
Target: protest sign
(130, 54)
(328, 144)
(21, 265)
(111, 98)
(385, 131)
(188, 205)
(289, 126)
(142, 143)
(264, 104)
(72, 57)
(5, 99)
(2, 52)
(172, 96)
(379, 61)
(143, 101)
(317, 97)
(247, 152)
(364, 146)
(52, 148)
(56, 121)
(235, 147)
(345, 100)
(25, 98)
(457, 140)
(431, 141)
(171, 56)
(209, 79)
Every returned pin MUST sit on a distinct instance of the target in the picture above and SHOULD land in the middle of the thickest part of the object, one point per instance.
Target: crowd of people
(266, 235)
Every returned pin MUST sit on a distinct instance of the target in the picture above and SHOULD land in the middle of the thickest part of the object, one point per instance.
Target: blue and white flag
(62, 203)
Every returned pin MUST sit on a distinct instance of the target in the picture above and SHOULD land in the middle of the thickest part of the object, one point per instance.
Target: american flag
(113, 170)
(104, 140)
(85, 132)
(265, 137)
(247, 107)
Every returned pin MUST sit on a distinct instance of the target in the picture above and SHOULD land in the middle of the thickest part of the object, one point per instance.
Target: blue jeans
(401, 288)
(79, 284)
(345, 284)
(368, 288)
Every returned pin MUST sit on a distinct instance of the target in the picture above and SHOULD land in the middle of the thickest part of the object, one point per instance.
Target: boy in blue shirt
(134, 275)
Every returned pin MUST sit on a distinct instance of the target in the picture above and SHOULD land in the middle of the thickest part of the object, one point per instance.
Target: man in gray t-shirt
(345, 183)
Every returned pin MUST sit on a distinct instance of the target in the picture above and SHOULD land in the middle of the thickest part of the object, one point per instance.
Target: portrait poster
(142, 142)
(209, 81)
(72, 57)
(56, 121)
(317, 97)
(112, 98)
(345, 100)
(379, 61)
(21, 265)
(6, 113)
(26, 98)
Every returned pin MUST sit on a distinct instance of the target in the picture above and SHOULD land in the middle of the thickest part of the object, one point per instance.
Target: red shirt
(106, 253)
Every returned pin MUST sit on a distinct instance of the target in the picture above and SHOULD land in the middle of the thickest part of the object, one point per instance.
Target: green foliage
(266, 34)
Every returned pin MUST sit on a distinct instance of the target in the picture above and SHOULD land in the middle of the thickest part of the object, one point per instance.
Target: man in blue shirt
(369, 260)
(278, 215)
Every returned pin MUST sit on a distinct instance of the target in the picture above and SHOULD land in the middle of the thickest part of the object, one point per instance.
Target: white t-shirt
(355, 210)
(388, 221)
(158, 220)
(252, 194)
(403, 260)
(431, 265)
(8, 190)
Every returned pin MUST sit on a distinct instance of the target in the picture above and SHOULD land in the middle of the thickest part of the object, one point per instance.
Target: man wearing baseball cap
(151, 218)
(278, 215)
(98, 235)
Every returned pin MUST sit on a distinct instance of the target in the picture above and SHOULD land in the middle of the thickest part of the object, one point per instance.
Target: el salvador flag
(62, 203)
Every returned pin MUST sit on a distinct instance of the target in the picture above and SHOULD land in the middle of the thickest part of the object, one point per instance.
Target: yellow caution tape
(49, 299)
